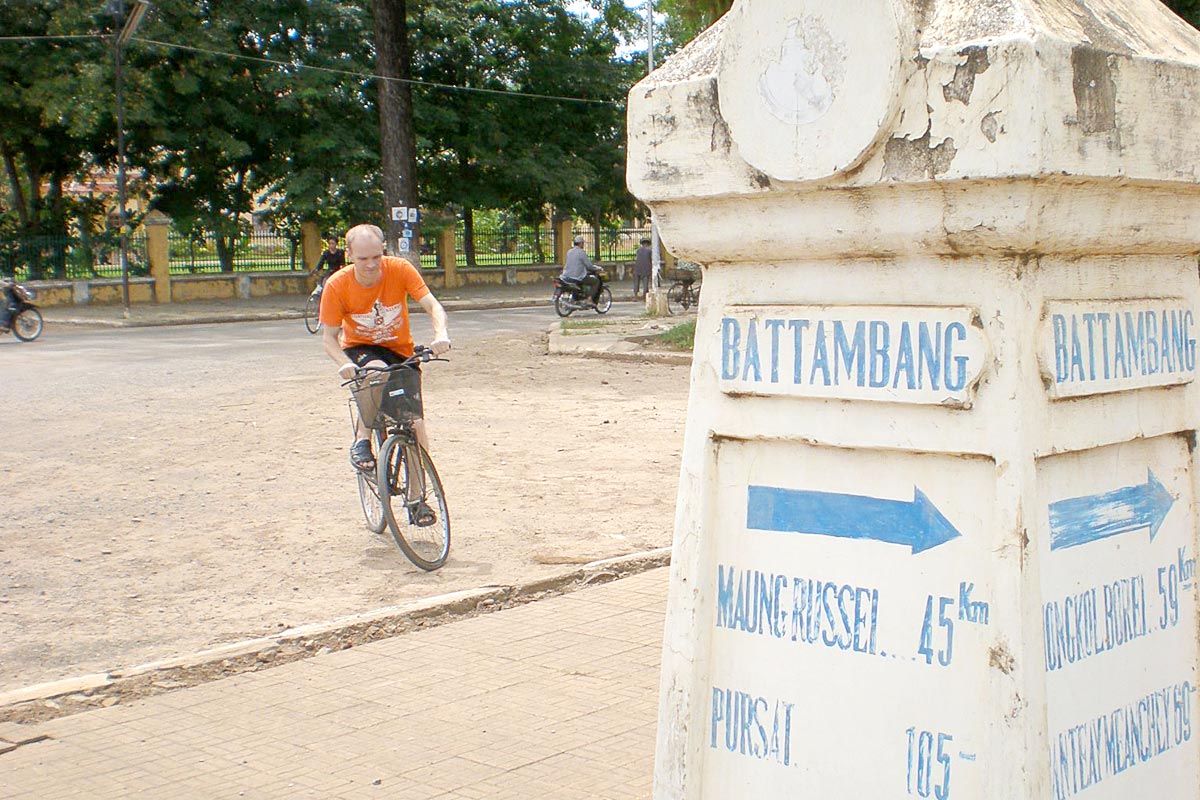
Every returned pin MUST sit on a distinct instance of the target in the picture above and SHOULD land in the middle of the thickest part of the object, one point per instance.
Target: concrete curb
(271, 316)
(86, 692)
(609, 347)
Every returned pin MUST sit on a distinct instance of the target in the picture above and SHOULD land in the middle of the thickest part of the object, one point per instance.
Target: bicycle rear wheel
(312, 313)
(409, 484)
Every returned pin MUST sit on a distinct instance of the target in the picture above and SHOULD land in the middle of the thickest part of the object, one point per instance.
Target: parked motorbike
(25, 321)
(570, 296)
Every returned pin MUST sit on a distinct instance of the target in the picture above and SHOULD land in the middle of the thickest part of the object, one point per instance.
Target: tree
(1187, 9)
(221, 135)
(398, 148)
(497, 145)
(47, 137)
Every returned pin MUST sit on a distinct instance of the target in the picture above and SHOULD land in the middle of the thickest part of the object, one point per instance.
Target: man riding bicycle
(365, 314)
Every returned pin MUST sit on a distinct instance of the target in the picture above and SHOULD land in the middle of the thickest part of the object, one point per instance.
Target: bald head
(364, 234)
(364, 251)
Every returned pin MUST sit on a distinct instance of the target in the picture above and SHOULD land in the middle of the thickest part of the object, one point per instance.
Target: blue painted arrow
(918, 524)
(1080, 520)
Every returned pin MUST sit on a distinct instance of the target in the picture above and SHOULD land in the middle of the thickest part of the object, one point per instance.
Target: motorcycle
(570, 296)
(25, 321)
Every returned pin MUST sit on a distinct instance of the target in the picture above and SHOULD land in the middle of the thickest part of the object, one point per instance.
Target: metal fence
(506, 247)
(252, 252)
(522, 246)
(618, 244)
(70, 258)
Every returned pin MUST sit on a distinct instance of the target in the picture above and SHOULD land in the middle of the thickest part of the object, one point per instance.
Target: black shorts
(360, 354)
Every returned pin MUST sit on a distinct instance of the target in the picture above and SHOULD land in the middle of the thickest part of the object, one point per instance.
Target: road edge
(47, 701)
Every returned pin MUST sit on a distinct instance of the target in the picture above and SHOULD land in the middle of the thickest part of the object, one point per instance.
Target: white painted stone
(1031, 160)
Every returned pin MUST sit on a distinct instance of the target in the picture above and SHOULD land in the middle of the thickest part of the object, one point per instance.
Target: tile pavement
(554, 699)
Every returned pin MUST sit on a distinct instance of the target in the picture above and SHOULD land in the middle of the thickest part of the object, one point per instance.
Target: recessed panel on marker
(928, 355)
(848, 602)
(1099, 346)
(1117, 544)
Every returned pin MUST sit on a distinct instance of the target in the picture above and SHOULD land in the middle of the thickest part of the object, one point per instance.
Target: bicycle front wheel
(414, 503)
(368, 494)
(676, 298)
(312, 313)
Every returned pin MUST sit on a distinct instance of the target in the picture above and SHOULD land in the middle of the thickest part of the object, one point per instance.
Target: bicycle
(403, 468)
(312, 308)
(683, 294)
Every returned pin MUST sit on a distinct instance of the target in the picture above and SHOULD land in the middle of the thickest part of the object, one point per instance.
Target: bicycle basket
(395, 402)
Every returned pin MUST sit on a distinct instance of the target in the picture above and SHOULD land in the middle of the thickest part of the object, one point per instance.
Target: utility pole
(126, 27)
(654, 300)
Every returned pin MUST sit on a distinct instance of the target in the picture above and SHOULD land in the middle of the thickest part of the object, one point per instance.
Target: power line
(351, 73)
(51, 38)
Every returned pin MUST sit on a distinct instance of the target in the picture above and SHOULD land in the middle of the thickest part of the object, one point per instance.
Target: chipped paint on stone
(963, 84)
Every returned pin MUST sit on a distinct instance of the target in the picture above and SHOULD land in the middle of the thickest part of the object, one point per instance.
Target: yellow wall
(283, 284)
(113, 294)
(223, 288)
(53, 295)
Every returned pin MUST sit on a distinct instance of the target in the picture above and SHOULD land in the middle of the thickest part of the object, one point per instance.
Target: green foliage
(228, 109)
(504, 148)
(682, 336)
(1188, 9)
(687, 18)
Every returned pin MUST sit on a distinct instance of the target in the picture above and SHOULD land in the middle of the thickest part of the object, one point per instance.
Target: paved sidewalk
(291, 306)
(554, 699)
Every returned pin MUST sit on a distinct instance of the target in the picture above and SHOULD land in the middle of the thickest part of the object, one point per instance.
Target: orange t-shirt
(376, 315)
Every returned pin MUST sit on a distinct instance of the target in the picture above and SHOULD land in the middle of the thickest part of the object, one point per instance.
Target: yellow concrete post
(448, 257)
(158, 251)
(310, 246)
(562, 241)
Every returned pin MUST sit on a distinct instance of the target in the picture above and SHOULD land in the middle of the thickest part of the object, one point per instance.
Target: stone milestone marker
(936, 532)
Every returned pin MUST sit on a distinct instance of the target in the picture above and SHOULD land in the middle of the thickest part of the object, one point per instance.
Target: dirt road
(158, 505)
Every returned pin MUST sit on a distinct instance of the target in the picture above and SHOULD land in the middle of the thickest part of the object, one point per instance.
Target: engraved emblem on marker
(799, 87)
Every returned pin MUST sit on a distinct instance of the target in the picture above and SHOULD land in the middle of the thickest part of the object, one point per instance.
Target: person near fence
(364, 311)
(579, 269)
(332, 259)
(643, 265)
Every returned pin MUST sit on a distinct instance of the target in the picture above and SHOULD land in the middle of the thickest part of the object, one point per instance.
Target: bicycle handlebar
(421, 355)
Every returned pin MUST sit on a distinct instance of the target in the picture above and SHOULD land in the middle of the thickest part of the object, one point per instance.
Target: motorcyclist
(8, 301)
(580, 270)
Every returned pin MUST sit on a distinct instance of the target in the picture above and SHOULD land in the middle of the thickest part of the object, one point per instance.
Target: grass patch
(569, 325)
(682, 336)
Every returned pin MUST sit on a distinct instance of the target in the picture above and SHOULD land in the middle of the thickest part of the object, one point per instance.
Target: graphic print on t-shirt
(380, 323)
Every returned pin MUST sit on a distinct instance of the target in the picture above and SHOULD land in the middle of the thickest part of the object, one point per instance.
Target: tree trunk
(14, 182)
(224, 251)
(539, 254)
(397, 142)
(469, 235)
(596, 236)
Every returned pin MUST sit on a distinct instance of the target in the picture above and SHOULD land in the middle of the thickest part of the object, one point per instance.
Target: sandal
(361, 456)
(421, 515)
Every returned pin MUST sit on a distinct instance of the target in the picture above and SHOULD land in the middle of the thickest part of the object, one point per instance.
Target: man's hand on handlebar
(347, 371)
(440, 346)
